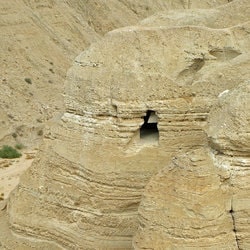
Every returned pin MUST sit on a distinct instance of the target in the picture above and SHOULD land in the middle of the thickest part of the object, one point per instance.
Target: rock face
(229, 127)
(187, 206)
(201, 200)
(39, 41)
(134, 101)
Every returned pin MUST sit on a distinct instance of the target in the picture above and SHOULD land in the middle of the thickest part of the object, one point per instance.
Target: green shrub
(28, 80)
(9, 152)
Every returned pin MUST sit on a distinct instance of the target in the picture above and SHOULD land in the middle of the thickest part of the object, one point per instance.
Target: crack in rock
(234, 226)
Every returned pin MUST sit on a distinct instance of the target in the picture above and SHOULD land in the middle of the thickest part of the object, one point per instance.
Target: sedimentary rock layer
(39, 41)
(187, 206)
(201, 199)
(134, 130)
(230, 139)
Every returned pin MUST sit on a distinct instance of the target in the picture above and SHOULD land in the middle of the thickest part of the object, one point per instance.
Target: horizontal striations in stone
(69, 201)
(229, 138)
(96, 171)
(84, 190)
(183, 205)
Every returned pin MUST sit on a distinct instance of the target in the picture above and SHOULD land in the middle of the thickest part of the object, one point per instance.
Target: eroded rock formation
(201, 200)
(39, 41)
(135, 137)
(187, 206)
(229, 127)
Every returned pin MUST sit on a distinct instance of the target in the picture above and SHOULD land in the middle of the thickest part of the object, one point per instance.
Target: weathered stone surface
(39, 41)
(201, 200)
(229, 132)
(84, 188)
(187, 206)
(221, 17)
(229, 123)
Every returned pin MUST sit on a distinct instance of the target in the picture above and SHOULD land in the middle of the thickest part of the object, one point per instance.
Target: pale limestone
(187, 206)
(229, 133)
(94, 173)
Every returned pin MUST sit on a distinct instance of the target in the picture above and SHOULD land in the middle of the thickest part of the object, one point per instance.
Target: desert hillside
(39, 41)
(138, 115)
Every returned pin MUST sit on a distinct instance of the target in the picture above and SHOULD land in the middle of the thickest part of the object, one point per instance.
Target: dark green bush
(9, 152)
(28, 80)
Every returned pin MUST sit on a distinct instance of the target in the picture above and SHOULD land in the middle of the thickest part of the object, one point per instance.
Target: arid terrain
(133, 116)
(39, 41)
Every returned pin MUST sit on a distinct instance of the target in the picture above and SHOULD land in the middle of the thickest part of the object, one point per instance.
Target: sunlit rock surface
(133, 139)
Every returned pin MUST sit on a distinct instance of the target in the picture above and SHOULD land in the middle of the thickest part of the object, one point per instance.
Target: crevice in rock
(224, 54)
(196, 65)
(149, 131)
(231, 211)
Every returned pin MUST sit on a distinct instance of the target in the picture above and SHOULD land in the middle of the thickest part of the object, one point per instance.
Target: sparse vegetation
(28, 80)
(9, 152)
(19, 146)
(14, 135)
(10, 116)
(40, 132)
(39, 120)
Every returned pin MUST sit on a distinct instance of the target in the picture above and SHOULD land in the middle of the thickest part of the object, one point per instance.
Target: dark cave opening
(149, 130)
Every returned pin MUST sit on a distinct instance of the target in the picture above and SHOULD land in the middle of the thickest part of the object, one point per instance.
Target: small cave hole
(149, 131)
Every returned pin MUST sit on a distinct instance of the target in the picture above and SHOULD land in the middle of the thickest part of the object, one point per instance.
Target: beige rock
(187, 206)
(217, 18)
(3, 203)
(85, 186)
(201, 200)
(229, 122)
(229, 127)
(39, 41)
(4, 163)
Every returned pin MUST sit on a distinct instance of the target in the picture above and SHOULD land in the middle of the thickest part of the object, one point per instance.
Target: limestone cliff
(229, 128)
(187, 206)
(134, 161)
(39, 41)
(200, 200)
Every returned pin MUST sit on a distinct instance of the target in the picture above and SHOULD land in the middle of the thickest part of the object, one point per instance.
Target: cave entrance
(149, 131)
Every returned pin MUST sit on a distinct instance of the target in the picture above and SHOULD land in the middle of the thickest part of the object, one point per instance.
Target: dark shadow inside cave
(149, 131)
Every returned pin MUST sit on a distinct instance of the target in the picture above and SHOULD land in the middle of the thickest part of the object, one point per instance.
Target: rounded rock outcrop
(85, 187)
(186, 205)
(229, 123)
(229, 137)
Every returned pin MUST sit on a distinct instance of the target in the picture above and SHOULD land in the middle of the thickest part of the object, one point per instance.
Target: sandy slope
(9, 176)
(39, 41)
